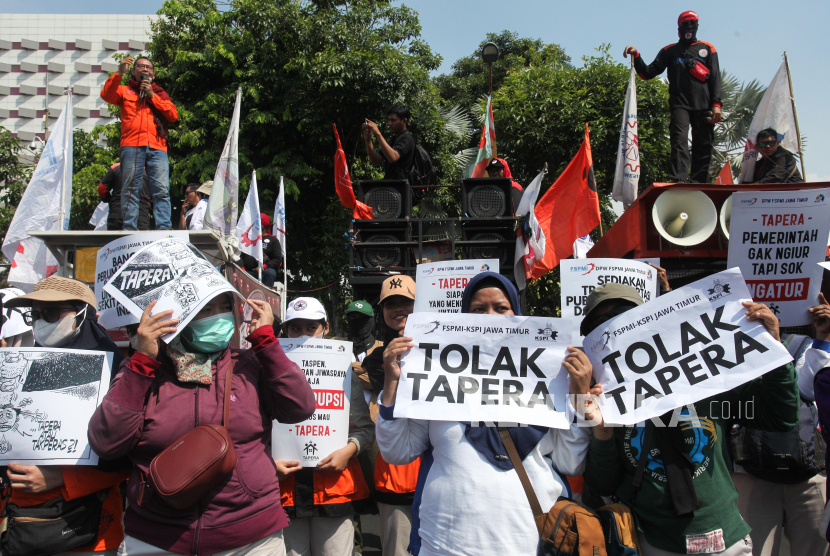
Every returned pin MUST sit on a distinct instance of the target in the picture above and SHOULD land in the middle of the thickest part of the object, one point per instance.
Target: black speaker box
(487, 197)
(389, 199)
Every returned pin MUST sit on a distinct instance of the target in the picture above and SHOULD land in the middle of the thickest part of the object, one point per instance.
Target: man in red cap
(694, 97)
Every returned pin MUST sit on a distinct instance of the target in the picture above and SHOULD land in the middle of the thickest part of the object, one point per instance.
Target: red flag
(725, 175)
(343, 184)
(568, 210)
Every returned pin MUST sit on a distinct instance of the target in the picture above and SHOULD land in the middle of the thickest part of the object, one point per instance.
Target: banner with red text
(327, 365)
(775, 238)
(439, 286)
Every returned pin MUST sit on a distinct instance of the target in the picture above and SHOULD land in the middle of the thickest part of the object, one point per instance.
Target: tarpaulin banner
(579, 277)
(684, 346)
(327, 365)
(171, 272)
(439, 286)
(250, 288)
(775, 238)
(491, 368)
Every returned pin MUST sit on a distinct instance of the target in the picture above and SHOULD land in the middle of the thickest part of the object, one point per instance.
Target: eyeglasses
(144, 66)
(763, 144)
(50, 314)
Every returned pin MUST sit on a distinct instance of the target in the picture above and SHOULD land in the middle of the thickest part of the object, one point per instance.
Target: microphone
(144, 77)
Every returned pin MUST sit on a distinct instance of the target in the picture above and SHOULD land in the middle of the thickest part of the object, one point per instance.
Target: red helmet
(687, 16)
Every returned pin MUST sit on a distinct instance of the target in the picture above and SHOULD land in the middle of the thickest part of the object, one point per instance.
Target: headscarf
(191, 366)
(483, 438)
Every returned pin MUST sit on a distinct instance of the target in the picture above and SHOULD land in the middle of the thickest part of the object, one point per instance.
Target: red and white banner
(627, 175)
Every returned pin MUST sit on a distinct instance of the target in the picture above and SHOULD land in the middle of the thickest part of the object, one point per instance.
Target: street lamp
(490, 54)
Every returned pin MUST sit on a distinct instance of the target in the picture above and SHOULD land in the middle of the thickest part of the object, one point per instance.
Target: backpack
(422, 172)
(573, 529)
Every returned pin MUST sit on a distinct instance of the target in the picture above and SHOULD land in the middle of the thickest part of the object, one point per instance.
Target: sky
(750, 38)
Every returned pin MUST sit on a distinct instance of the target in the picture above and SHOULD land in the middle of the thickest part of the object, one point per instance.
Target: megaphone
(726, 216)
(684, 217)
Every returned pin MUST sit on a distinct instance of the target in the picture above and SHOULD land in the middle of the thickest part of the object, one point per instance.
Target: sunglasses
(50, 314)
(763, 144)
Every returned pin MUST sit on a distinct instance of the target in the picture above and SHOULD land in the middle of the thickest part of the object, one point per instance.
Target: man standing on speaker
(145, 112)
(777, 164)
(398, 154)
(694, 97)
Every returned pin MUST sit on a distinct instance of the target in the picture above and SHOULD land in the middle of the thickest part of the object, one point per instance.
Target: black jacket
(686, 91)
(271, 252)
(781, 167)
(112, 180)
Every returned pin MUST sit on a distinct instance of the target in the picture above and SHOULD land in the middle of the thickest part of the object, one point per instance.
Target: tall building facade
(41, 55)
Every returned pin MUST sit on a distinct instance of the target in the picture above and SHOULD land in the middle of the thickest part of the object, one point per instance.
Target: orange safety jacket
(395, 484)
(138, 127)
(313, 493)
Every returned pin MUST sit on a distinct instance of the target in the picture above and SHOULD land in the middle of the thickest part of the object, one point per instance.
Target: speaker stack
(488, 227)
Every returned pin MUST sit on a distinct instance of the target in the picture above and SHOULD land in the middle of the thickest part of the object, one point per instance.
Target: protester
(110, 192)
(271, 252)
(498, 168)
(694, 97)
(777, 164)
(146, 109)
(62, 312)
(195, 206)
(470, 499)
(394, 485)
(361, 318)
(686, 502)
(165, 390)
(321, 502)
(398, 154)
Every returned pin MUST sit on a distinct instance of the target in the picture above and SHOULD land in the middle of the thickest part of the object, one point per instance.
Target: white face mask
(58, 333)
(304, 336)
(134, 341)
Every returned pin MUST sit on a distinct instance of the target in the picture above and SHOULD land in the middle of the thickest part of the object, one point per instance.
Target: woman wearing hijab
(63, 316)
(164, 391)
(470, 499)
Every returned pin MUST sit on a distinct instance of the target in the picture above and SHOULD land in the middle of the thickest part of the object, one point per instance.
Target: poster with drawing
(47, 397)
(327, 365)
(172, 272)
(111, 256)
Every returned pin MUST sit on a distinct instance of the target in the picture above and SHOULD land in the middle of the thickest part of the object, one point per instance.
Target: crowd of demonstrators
(777, 164)
(498, 168)
(195, 206)
(321, 502)
(694, 97)
(110, 192)
(398, 154)
(146, 109)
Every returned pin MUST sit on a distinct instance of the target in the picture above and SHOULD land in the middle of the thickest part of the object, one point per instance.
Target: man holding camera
(145, 112)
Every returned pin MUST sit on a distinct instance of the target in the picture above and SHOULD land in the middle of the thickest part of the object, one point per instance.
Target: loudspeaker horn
(726, 216)
(701, 217)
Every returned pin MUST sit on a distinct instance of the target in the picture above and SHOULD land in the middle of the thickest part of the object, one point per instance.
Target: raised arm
(652, 70)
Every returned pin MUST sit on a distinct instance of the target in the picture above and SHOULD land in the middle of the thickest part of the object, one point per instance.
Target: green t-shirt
(767, 403)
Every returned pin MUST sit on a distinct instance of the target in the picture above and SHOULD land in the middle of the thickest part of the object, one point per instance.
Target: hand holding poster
(439, 286)
(327, 365)
(489, 368)
(47, 397)
(580, 277)
(111, 256)
(775, 238)
(683, 347)
(171, 272)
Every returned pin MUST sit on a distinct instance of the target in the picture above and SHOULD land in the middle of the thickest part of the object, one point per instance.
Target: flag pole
(795, 115)
(67, 122)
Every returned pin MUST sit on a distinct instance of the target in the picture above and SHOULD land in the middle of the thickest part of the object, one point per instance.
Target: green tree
(14, 177)
(89, 164)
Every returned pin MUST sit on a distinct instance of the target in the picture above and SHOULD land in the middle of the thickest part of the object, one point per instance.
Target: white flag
(627, 176)
(530, 240)
(249, 228)
(582, 245)
(99, 217)
(775, 111)
(223, 205)
(40, 208)
(278, 229)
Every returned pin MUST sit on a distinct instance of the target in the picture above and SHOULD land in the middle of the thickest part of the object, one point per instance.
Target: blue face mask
(210, 334)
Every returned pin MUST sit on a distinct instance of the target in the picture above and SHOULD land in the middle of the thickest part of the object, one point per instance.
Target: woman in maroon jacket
(164, 391)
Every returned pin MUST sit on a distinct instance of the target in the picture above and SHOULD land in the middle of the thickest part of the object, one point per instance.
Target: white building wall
(42, 54)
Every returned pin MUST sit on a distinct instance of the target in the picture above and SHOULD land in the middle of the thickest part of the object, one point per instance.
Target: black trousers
(703, 134)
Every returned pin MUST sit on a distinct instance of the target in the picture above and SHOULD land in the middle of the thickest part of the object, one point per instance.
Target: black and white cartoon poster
(172, 272)
(47, 397)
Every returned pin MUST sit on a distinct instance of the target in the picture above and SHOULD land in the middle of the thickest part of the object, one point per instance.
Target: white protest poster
(47, 397)
(579, 277)
(489, 368)
(776, 237)
(173, 273)
(683, 347)
(327, 365)
(111, 256)
(439, 286)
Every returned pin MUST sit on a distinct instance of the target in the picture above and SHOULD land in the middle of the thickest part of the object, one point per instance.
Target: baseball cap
(686, 16)
(54, 289)
(308, 308)
(206, 187)
(609, 292)
(495, 163)
(360, 306)
(397, 285)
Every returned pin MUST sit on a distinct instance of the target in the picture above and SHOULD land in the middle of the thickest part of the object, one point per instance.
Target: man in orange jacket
(145, 112)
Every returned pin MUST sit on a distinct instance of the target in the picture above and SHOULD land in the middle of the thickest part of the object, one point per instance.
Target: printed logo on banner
(428, 271)
(310, 448)
(820, 198)
(718, 290)
(341, 349)
(749, 202)
(546, 334)
(485, 267)
(602, 343)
